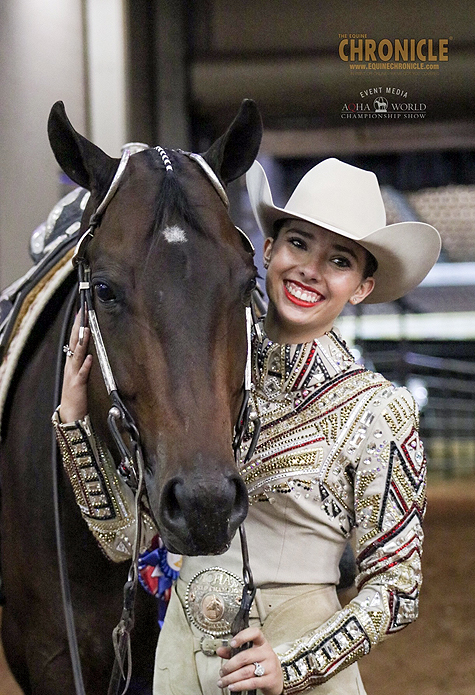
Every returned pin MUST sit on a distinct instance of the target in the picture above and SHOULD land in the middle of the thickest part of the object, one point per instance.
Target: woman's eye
(298, 243)
(103, 292)
(342, 262)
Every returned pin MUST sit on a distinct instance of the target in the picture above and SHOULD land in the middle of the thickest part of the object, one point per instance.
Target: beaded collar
(281, 370)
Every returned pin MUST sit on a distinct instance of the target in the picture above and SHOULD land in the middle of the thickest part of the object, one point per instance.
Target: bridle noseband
(120, 420)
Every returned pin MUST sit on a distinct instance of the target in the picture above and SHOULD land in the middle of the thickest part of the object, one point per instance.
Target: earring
(354, 300)
(266, 263)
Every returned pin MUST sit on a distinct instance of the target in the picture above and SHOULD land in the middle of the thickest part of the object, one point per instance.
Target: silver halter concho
(132, 463)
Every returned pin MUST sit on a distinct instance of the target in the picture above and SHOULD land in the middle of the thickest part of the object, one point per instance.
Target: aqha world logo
(383, 103)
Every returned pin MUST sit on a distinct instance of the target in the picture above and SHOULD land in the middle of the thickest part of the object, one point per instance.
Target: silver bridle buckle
(209, 644)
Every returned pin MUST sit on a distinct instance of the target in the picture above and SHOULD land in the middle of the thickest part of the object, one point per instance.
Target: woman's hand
(238, 673)
(76, 373)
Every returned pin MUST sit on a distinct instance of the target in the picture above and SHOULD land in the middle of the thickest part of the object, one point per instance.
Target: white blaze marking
(174, 235)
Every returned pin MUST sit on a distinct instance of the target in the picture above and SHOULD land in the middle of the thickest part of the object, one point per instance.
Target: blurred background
(173, 72)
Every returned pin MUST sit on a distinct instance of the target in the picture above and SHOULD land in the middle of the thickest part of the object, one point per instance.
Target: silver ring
(259, 669)
(68, 350)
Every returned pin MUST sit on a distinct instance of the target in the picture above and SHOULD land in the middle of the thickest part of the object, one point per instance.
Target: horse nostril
(171, 511)
(241, 501)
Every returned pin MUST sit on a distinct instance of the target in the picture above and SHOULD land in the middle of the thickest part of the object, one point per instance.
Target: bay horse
(171, 277)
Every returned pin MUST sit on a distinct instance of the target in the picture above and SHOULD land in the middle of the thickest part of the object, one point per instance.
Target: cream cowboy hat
(347, 200)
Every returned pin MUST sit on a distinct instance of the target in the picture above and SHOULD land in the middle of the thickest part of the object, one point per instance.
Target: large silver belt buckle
(212, 599)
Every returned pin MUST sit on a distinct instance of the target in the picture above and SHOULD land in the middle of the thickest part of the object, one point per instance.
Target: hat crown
(340, 196)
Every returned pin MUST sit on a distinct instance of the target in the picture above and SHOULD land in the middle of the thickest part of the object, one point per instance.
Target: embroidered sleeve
(106, 502)
(389, 502)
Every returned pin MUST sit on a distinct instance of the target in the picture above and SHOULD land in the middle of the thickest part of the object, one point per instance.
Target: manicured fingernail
(233, 643)
(220, 684)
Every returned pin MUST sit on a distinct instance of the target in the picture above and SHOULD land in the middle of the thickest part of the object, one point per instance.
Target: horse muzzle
(200, 513)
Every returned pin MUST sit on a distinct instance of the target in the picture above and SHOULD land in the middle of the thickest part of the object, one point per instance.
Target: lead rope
(241, 621)
(121, 634)
(246, 415)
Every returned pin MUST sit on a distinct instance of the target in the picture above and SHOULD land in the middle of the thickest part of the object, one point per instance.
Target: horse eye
(103, 292)
(252, 284)
(250, 287)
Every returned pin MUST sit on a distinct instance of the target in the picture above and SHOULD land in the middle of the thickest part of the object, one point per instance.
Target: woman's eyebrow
(307, 235)
(347, 249)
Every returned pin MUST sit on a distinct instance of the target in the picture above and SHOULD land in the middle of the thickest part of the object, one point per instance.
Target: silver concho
(212, 599)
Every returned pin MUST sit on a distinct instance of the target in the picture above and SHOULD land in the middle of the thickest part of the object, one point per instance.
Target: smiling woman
(312, 273)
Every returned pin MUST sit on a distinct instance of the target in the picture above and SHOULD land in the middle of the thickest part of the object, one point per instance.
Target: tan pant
(283, 613)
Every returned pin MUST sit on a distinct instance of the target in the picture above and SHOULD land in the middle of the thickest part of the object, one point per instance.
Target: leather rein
(132, 463)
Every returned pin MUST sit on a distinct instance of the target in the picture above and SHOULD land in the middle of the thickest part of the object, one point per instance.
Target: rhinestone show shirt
(339, 454)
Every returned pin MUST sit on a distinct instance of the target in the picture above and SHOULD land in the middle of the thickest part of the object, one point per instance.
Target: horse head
(171, 278)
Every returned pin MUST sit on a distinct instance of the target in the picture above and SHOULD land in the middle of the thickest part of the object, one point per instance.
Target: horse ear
(234, 152)
(80, 159)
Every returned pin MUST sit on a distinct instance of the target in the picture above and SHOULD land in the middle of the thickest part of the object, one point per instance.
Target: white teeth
(305, 296)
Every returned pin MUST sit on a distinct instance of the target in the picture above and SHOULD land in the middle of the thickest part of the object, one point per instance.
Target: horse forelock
(173, 202)
(182, 200)
(188, 211)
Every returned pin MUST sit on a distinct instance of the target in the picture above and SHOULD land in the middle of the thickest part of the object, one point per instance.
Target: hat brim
(405, 251)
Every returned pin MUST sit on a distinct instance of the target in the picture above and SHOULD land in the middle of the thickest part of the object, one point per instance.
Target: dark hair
(277, 226)
(371, 265)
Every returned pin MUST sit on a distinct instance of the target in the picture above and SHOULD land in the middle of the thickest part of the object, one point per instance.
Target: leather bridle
(131, 466)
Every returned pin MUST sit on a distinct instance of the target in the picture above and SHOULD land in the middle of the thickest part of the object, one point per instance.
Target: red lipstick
(297, 300)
